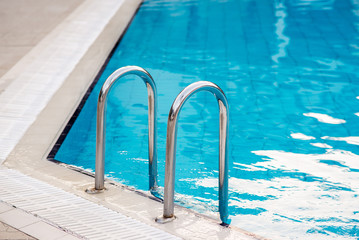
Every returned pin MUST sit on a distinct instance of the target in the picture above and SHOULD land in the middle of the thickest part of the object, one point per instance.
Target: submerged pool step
(71, 212)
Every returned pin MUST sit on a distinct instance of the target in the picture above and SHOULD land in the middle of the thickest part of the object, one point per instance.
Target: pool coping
(29, 154)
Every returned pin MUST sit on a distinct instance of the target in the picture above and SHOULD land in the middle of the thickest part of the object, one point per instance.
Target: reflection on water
(321, 145)
(292, 208)
(281, 14)
(306, 5)
(324, 118)
(301, 136)
(323, 204)
(289, 69)
(335, 171)
(350, 140)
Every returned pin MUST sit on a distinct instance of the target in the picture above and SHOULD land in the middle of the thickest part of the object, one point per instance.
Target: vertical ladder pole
(152, 135)
(101, 125)
(168, 208)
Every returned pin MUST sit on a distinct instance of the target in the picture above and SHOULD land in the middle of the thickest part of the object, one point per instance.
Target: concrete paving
(9, 233)
(16, 224)
(24, 23)
(47, 212)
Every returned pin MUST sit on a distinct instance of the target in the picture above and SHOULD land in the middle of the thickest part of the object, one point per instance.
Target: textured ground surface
(7, 232)
(24, 23)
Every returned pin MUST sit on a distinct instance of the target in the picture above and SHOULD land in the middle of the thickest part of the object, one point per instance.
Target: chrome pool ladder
(171, 140)
(101, 125)
(168, 208)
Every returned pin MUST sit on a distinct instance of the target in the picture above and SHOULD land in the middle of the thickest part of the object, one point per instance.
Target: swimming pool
(289, 71)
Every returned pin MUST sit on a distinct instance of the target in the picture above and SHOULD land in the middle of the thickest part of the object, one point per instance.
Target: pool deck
(43, 76)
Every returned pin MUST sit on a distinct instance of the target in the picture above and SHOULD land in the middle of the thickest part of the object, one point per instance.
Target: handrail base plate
(161, 219)
(94, 190)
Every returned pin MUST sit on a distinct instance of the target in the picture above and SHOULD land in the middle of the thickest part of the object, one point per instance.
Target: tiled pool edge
(29, 154)
(66, 212)
(9, 213)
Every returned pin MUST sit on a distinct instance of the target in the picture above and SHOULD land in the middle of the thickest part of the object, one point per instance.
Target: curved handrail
(168, 209)
(152, 124)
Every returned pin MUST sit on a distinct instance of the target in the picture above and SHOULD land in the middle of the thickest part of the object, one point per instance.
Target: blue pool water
(290, 70)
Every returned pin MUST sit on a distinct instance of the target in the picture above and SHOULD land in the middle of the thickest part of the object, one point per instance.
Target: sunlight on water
(301, 136)
(324, 118)
(350, 140)
(280, 27)
(311, 164)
